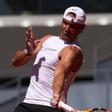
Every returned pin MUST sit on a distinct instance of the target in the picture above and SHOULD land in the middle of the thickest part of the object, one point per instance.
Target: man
(57, 59)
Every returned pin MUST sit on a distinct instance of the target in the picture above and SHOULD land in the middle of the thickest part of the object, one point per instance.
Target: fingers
(63, 97)
(29, 37)
(55, 100)
(30, 31)
(37, 42)
(29, 41)
(29, 48)
(29, 34)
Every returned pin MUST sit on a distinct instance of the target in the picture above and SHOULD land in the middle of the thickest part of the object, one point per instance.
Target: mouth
(66, 34)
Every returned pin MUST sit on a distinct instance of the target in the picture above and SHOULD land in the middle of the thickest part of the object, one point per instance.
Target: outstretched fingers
(29, 40)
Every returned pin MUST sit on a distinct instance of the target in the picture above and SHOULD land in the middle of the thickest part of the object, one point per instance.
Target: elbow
(15, 63)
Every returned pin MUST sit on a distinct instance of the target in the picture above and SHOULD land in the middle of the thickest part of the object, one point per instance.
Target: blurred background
(93, 85)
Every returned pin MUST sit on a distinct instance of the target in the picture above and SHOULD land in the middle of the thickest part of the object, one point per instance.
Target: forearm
(58, 84)
(69, 80)
(59, 79)
(20, 58)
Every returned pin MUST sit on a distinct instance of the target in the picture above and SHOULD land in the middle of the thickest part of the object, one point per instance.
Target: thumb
(55, 100)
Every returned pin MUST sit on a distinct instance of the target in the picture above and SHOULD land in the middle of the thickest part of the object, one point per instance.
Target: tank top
(42, 75)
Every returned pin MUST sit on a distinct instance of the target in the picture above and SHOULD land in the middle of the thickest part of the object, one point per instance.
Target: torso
(40, 88)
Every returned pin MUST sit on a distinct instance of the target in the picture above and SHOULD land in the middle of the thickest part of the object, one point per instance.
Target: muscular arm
(71, 75)
(69, 80)
(70, 56)
(21, 58)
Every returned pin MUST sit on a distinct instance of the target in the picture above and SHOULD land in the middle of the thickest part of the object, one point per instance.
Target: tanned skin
(70, 58)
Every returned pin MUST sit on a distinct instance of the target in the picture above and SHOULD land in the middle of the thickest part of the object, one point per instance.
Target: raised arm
(70, 57)
(23, 56)
(32, 47)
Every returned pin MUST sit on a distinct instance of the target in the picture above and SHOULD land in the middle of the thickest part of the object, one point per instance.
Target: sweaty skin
(70, 58)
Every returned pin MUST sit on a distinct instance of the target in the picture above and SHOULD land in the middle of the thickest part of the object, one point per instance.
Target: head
(73, 23)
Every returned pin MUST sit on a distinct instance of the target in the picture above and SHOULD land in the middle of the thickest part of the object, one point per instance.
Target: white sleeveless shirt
(40, 88)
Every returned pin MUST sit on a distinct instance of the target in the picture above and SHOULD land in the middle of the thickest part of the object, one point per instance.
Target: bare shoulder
(45, 38)
(71, 50)
(73, 57)
(42, 39)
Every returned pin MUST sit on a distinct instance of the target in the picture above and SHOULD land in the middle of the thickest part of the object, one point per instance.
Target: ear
(82, 28)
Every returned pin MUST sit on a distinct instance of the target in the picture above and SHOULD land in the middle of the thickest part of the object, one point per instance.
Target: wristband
(26, 52)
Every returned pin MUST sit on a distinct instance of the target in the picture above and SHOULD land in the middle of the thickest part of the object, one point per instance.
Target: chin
(66, 38)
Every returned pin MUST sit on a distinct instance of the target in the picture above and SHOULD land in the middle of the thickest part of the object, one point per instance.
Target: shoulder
(71, 50)
(71, 53)
(74, 56)
(43, 39)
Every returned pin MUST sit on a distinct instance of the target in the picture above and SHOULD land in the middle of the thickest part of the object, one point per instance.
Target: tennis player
(57, 60)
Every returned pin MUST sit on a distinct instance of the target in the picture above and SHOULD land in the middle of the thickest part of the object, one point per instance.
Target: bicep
(64, 63)
(72, 58)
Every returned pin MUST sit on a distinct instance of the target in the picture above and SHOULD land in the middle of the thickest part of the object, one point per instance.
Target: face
(70, 30)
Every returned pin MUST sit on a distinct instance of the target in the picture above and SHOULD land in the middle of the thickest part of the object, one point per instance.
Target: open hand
(30, 40)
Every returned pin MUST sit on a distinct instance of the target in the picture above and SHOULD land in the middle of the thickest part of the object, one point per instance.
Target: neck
(71, 39)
